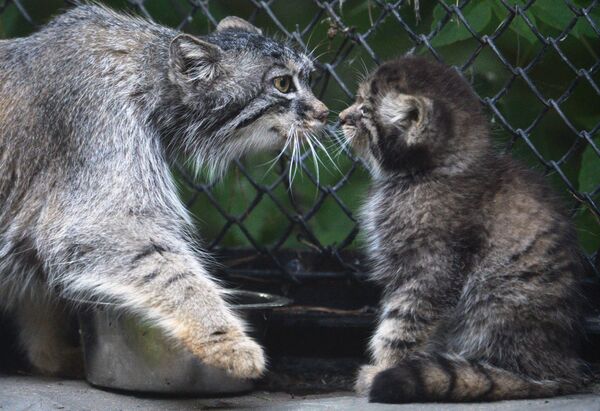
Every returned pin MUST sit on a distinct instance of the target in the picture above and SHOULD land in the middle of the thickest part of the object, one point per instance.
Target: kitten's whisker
(339, 100)
(343, 141)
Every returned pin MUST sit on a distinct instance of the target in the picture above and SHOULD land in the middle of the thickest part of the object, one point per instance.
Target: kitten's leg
(45, 333)
(164, 282)
(523, 321)
(512, 335)
(407, 318)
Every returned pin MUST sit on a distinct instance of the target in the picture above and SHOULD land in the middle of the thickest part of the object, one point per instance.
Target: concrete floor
(34, 393)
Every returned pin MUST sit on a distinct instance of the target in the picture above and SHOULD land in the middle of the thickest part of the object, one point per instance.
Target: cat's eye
(283, 84)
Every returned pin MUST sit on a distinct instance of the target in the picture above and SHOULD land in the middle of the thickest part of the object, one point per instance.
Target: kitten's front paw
(365, 377)
(235, 353)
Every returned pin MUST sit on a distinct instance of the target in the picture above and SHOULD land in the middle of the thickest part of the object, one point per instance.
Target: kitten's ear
(195, 60)
(237, 23)
(404, 111)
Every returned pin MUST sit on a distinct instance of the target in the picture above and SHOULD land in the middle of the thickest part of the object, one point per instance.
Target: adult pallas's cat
(92, 109)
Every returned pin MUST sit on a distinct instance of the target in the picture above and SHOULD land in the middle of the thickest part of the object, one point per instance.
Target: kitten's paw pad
(66, 363)
(365, 377)
(241, 357)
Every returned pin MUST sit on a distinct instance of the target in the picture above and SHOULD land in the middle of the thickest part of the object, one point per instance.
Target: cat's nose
(322, 115)
(321, 112)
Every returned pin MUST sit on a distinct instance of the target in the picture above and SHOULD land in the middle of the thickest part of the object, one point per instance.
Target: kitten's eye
(283, 84)
(363, 110)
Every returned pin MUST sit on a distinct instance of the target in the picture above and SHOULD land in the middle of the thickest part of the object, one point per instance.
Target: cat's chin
(314, 126)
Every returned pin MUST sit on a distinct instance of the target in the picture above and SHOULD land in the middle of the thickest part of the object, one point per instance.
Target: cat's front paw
(235, 353)
(365, 377)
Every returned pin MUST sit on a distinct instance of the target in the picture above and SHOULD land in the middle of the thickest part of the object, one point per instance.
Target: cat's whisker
(292, 157)
(315, 140)
(276, 159)
(295, 160)
(298, 162)
(320, 144)
(315, 157)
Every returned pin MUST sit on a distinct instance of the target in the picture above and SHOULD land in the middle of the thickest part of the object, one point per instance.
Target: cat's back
(526, 221)
(65, 91)
(83, 64)
(88, 46)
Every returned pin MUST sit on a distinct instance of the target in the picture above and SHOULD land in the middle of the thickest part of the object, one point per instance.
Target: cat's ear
(195, 60)
(237, 23)
(404, 111)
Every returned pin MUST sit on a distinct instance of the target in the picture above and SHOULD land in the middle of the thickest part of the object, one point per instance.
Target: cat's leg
(153, 273)
(45, 333)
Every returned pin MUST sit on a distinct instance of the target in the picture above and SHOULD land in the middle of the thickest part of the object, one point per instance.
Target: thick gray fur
(93, 108)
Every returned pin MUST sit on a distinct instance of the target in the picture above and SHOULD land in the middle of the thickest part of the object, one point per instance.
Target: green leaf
(519, 26)
(583, 28)
(588, 230)
(589, 174)
(554, 13)
(477, 14)
(557, 15)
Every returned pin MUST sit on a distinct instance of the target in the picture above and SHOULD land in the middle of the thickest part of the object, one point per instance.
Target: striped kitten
(480, 266)
(93, 109)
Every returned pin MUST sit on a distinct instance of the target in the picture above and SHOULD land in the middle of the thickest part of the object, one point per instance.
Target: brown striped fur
(479, 263)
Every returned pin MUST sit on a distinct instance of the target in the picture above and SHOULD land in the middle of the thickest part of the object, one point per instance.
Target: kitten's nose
(346, 116)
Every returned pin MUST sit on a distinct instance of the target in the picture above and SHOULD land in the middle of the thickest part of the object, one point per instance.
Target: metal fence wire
(534, 65)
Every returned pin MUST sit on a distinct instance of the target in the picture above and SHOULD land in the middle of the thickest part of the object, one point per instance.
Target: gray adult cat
(480, 265)
(92, 109)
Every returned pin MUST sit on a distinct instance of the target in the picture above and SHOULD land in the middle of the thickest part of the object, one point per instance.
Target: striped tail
(429, 378)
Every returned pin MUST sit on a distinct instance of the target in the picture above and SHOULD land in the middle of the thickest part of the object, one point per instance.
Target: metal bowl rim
(272, 300)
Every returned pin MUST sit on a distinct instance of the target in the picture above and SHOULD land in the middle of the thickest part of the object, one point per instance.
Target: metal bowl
(123, 352)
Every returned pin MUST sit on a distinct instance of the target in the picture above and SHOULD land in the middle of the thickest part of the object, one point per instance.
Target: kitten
(93, 108)
(480, 266)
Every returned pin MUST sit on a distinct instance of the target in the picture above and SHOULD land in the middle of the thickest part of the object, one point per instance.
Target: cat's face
(406, 116)
(251, 92)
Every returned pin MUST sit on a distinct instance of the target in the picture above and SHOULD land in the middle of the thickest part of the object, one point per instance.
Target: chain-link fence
(534, 64)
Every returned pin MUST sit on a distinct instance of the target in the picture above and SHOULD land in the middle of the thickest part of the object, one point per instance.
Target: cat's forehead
(262, 46)
(363, 89)
(388, 76)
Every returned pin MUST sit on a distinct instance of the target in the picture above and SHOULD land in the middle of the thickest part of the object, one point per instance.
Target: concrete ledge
(35, 393)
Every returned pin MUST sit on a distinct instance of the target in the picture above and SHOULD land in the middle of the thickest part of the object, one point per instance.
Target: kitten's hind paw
(365, 377)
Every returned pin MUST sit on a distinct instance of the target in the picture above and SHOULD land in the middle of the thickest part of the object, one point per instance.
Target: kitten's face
(251, 92)
(405, 115)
